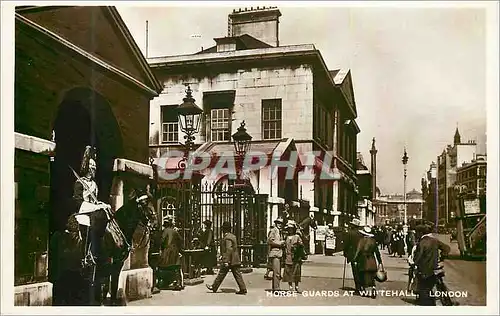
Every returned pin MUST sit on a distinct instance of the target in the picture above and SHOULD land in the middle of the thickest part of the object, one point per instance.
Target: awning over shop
(268, 150)
(220, 153)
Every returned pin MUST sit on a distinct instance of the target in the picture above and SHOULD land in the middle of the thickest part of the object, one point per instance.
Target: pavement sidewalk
(321, 285)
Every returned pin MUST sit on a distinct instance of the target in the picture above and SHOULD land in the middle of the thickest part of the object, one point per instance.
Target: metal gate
(191, 203)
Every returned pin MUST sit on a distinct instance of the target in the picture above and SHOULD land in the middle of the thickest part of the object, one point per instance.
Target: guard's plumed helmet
(89, 153)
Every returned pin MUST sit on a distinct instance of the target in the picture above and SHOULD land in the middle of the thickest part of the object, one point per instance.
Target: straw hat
(367, 231)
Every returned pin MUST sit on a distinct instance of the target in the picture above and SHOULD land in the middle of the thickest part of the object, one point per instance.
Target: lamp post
(434, 184)
(189, 122)
(189, 115)
(405, 162)
(242, 143)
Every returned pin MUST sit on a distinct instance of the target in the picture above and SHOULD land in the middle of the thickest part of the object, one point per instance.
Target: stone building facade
(366, 209)
(430, 194)
(447, 163)
(473, 176)
(80, 79)
(289, 100)
(390, 208)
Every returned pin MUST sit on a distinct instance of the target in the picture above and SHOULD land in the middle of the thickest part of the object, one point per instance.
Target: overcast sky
(417, 72)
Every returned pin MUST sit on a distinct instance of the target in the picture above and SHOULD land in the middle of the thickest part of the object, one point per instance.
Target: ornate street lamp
(405, 226)
(242, 143)
(189, 115)
(242, 140)
(189, 122)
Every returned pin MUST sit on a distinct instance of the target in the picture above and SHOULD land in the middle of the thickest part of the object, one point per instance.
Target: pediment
(99, 31)
(343, 80)
(348, 91)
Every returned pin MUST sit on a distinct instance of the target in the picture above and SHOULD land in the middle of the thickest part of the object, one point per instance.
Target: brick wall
(104, 41)
(44, 73)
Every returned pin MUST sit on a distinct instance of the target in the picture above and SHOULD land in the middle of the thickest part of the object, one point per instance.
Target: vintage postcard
(249, 158)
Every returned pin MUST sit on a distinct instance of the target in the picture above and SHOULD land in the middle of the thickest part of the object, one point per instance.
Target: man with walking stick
(351, 239)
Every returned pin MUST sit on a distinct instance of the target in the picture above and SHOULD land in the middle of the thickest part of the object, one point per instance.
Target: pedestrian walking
(269, 266)
(276, 244)
(351, 239)
(428, 255)
(230, 261)
(169, 266)
(368, 261)
(388, 240)
(329, 241)
(410, 240)
(208, 244)
(411, 270)
(294, 254)
(400, 242)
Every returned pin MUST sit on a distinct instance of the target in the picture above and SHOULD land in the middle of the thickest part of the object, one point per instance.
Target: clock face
(401, 207)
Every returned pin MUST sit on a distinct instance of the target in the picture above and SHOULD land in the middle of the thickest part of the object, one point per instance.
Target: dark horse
(117, 243)
(77, 286)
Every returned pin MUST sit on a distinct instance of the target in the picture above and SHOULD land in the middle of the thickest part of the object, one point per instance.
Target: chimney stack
(261, 23)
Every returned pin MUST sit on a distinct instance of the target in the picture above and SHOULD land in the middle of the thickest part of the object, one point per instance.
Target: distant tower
(457, 138)
(373, 153)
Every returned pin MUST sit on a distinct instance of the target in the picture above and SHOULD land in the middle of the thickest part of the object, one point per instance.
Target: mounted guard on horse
(97, 237)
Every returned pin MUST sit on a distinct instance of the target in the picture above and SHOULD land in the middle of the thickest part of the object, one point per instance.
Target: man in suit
(276, 243)
(269, 266)
(169, 265)
(426, 260)
(230, 261)
(351, 240)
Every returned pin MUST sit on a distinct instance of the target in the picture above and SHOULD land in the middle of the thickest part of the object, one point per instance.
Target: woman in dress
(294, 253)
(369, 261)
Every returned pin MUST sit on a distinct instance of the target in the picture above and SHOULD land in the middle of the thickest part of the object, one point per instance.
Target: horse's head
(143, 200)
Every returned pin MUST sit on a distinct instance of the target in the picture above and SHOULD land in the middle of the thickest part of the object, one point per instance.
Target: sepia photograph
(293, 156)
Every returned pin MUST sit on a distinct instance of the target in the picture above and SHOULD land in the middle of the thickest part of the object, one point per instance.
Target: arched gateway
(84, 118)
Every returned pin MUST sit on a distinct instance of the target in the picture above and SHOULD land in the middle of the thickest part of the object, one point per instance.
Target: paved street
(324, 273)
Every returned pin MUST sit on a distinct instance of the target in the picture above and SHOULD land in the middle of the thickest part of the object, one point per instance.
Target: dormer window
(226, 47)
(226, 44)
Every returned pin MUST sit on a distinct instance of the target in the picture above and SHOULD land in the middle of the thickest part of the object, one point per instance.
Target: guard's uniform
(92, 220)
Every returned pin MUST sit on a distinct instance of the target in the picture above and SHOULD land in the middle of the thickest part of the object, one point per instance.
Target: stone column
(312, 241)
(117, 202)
(117, 193)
